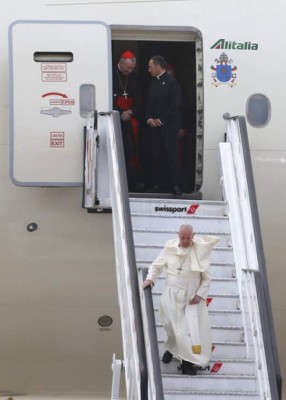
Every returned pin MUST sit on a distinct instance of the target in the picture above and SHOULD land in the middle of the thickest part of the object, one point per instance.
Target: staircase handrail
(136, 373)
(254, 272)
(151, 341)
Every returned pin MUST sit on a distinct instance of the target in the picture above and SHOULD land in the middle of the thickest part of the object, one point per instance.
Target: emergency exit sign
(57, 139)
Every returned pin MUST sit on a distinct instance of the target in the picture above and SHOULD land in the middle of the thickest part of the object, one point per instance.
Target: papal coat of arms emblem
(224, 71)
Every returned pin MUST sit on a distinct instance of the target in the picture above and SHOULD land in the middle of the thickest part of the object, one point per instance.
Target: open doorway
(181, 53)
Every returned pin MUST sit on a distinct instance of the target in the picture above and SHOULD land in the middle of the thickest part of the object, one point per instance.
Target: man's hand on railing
(147, 283)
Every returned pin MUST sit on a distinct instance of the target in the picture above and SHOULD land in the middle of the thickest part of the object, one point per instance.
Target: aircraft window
(258, 110)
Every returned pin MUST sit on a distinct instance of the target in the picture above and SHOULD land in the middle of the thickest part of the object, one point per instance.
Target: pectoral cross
(125, 94)
(179, 269)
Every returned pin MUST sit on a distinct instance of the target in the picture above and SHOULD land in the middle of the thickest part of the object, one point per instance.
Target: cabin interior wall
(182, 56)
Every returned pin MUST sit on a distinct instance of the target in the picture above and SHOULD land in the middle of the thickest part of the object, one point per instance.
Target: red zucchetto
(127, 54)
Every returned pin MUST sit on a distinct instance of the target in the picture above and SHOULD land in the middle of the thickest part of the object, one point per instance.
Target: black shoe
(176, 190)
(167, 357)
(188, 368)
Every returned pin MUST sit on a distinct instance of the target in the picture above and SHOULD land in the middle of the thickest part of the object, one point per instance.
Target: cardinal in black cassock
(127, 100)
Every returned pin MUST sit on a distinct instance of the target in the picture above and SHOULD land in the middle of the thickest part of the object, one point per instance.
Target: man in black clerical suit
(127, 100)
(163, 119)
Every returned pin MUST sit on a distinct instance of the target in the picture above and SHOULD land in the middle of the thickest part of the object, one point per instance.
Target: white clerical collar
(158, 76)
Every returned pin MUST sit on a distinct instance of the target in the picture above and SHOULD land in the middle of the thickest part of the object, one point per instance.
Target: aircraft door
(60, 71)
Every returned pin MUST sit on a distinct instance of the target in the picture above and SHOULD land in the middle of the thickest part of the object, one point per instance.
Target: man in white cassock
(183, 308)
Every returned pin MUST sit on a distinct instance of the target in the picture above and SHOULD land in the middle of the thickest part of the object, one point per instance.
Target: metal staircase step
(218, 318)
(219, 254)
(220, 349)
(216, 367)
(209, 382)
(226, 317)
(216, 301)
(200, 223)
(218, 285)
(222, 270)
(221, 301)
(219, 333)
(224, 285)
(209, 395)
(228, 333)
(158, 236)
(217, 270)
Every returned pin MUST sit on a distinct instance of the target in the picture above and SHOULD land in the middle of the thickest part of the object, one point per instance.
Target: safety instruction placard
(54, 72)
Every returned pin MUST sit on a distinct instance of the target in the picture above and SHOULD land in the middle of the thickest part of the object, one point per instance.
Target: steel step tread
(222, 279)
(222, 360)
(211, 392)
(212, 264)
(223, 295)
(216, 367)
(217, 343)
(215, 311)
(230, 343)
(209, 376)
(213, 279)
(233, 360)
(178, 217)
(161, 246)
(202, 202)
(226, 327)
(230, 295)
(175, 231)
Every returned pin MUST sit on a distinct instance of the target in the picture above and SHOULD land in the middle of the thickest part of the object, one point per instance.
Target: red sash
(125, 104)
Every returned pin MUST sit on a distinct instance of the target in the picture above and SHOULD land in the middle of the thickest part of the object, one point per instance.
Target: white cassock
(187, 325)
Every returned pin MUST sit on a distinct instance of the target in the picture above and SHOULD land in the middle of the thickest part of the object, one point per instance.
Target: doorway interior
(181, 54)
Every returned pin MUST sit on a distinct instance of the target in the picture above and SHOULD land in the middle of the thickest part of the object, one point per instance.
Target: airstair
(231, 372)
(244, 363)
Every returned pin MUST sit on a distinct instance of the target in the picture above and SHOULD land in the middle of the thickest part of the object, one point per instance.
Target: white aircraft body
(57, 261)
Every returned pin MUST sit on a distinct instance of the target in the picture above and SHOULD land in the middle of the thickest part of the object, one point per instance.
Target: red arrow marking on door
(55, 94)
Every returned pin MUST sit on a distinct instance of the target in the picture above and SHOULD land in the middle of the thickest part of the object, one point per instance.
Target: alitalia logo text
(223, 44)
